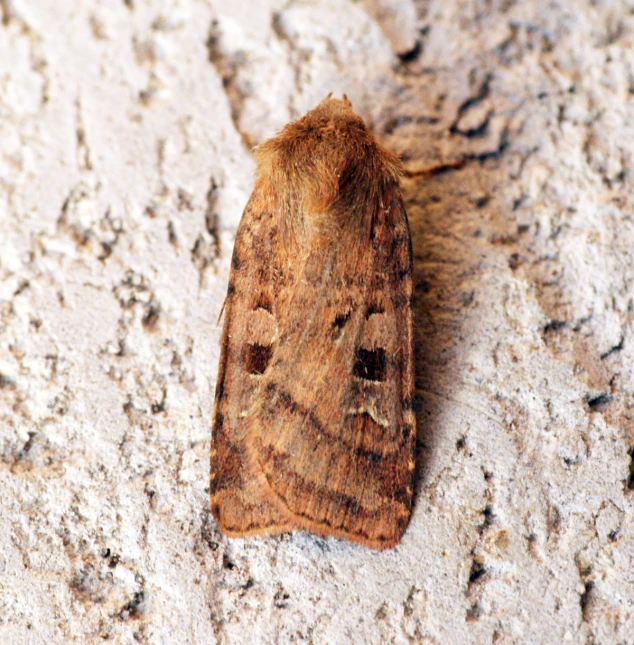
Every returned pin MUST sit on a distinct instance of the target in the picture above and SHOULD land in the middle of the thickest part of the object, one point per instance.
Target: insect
(313, 427)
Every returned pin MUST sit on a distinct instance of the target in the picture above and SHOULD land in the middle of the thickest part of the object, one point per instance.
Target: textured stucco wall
(125, 135)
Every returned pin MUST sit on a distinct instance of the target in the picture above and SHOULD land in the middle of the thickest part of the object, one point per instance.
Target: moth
(313, 427)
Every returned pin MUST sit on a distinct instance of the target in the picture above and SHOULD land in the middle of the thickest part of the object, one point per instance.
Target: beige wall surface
(126, 129)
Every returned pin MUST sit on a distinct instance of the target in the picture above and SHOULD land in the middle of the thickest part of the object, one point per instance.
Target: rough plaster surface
(125, 134)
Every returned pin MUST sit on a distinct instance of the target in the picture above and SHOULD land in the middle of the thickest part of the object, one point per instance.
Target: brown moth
(313, 427)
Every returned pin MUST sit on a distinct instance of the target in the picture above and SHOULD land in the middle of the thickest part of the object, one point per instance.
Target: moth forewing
(313, 426)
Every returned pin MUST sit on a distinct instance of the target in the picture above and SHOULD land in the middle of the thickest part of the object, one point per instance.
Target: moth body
(312, 426)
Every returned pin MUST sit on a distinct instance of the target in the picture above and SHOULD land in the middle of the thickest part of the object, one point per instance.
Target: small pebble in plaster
(313, 427)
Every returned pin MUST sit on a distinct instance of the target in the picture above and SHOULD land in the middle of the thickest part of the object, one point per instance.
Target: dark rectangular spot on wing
(369, 364)
(257, 358)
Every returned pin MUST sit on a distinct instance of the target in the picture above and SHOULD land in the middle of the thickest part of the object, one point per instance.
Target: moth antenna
(222, 310)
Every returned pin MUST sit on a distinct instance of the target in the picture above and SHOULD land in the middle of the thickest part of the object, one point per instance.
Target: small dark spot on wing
(339, 323)
(263, 301)
(375, 308)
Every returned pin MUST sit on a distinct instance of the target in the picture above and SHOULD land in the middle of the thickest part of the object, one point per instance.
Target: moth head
(337, 113)
(327, 159)
(323, 133)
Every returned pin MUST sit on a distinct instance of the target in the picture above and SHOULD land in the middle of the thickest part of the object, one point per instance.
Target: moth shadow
(446, 217)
